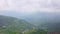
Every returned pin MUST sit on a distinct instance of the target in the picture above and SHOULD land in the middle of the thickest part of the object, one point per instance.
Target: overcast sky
(30, 5)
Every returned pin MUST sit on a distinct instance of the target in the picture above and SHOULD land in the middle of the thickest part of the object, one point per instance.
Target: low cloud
(30, 5)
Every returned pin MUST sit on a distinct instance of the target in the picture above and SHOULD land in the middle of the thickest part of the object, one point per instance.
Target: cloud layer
(30, 5)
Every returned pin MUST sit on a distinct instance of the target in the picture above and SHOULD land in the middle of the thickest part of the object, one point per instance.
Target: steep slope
(14, 24)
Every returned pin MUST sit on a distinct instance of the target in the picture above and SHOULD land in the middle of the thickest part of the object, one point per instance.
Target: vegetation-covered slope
(51, 26)
(14, 24)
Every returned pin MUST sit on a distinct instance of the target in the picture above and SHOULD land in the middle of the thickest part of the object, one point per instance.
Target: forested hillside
(12, 25)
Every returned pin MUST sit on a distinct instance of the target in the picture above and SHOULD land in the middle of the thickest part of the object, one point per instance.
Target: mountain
(54, 27)
(44, 20)
(37, 18)
(52, 22)
(8, 23)
(13, 25)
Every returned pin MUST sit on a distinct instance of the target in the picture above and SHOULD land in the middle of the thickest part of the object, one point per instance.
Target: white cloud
(30, 5)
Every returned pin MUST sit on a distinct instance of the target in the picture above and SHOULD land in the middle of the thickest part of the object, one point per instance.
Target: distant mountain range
(39, 19)
(35, 18)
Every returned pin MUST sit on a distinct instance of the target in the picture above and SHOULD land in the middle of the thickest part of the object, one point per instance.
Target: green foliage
(37, 31)
(11, 25)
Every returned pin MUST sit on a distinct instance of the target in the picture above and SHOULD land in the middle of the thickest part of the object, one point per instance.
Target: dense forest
(12, 25)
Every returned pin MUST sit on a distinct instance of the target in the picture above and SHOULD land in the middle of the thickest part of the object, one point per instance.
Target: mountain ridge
(35, 18)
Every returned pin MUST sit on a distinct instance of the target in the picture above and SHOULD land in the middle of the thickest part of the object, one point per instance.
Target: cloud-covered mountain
(35, 17)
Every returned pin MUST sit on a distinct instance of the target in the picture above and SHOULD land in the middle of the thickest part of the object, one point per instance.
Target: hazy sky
(30, 5)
